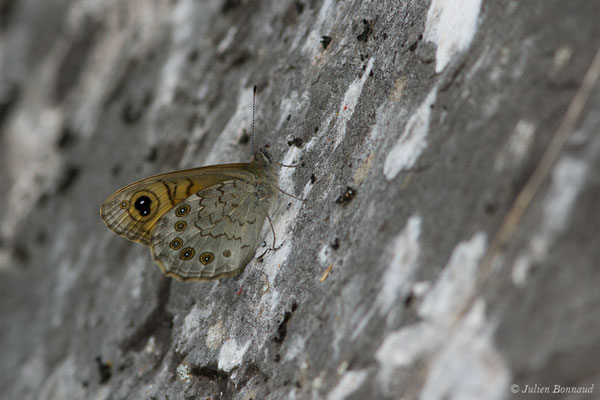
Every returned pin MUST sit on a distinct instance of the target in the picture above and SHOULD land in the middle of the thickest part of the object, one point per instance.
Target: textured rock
(447, 247)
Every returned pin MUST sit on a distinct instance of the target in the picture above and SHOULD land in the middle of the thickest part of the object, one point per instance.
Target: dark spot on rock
(120, 84)
(67, 138)
(245, 138)
(295, 141)
(152, 153)
(367, 30)
(313, 178)
(170, 152)
(212, 373)
(6, 9)
(131, 112)
(20, 253)
(277, 358)
(335, 244)
(182, 95)
(241, 58)
(282, 328)
(346, 196)
(325, 41)
(148, 98)
(409, 300)
(316, 129)
(43, 199)
(74, 60)
(490, 208)
(9, 95)
(104, 369)
(69, 176)
(413, 46)
(229, 5)
(134, 109)
(116, 170)
(193, 55)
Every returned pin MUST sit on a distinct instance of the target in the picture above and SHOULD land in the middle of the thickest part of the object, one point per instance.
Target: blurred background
(447, 244)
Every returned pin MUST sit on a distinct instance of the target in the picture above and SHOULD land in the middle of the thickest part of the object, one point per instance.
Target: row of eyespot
(188, 253)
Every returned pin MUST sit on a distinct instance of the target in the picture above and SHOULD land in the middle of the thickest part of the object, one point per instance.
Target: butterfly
(201, 223)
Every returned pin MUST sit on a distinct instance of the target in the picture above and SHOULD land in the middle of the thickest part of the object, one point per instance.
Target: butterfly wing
(133, 211)
(213, 233)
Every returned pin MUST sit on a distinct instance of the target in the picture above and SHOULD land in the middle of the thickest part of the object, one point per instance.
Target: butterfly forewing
(133, 210)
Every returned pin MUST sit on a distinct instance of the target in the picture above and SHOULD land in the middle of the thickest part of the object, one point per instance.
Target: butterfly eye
(181, 225)
(182, 210)
(187, 254)
(207, 258)
(226, 253)
(124, 205)
(176, 244)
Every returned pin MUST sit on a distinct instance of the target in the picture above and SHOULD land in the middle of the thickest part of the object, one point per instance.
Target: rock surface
(447, 245)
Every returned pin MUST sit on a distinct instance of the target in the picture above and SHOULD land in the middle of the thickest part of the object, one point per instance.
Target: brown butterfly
(200, 223)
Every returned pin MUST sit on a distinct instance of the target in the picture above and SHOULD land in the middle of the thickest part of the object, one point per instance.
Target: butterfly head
(261, 158)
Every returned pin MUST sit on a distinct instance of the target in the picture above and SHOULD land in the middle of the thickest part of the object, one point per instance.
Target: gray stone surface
(463, 261)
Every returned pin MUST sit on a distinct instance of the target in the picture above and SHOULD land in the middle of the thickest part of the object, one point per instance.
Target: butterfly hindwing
(211, 234)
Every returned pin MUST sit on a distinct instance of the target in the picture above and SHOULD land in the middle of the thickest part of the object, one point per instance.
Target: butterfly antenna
(253, 112)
